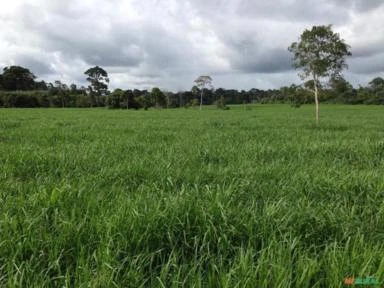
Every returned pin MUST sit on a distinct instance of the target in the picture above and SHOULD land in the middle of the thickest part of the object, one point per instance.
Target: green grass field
(183, 198)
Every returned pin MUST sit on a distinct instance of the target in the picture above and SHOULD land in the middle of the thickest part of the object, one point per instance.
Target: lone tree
(202, 83)
(320, 53)
(98, 78)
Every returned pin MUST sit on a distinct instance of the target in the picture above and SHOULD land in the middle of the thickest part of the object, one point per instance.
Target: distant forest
(19, 88)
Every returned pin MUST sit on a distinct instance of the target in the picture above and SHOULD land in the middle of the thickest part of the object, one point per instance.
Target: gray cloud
(38, 66)
(168, 43)
(361, 5)
(266, 61)
(301, 10)
(368, 65)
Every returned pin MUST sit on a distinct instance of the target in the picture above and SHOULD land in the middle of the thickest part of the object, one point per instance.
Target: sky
(241, 44)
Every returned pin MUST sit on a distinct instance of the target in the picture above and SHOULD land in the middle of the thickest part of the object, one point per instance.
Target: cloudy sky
(168, 43)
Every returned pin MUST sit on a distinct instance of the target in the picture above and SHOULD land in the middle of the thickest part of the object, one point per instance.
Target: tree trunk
(201, 99)
(156, 102)
(179, 100)
(316, 101)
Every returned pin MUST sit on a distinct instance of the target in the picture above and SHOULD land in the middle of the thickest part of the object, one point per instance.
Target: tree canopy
(17, 78)
(202, 82)
(98, 79)
(377, 83)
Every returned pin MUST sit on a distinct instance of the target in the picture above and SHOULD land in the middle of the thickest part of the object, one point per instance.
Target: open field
(173, 198)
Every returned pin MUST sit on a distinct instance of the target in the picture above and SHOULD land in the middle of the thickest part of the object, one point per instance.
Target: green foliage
(98, 79)
(295, 95)
(194, 102)
(320, 53)
(100, 198)
(115, 99)
(158, 98)
(338, 91)
(24, 99)
(202, 83)
(377, 84)
(220, 103)
(17, 78)
(34, 99)
(195, 90)
(60, 94)
(144, 100)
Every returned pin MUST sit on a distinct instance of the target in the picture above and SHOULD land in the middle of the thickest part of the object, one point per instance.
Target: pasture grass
(256, 197)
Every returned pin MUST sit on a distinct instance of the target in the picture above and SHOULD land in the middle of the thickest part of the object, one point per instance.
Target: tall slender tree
(98, 79)
(202, 83)
(320, 53)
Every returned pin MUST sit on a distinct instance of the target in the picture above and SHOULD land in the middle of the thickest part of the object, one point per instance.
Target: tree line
(320, 53)
(21, 90)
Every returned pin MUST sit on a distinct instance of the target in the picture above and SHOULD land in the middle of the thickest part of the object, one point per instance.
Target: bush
(23, 99)
(35, 99)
